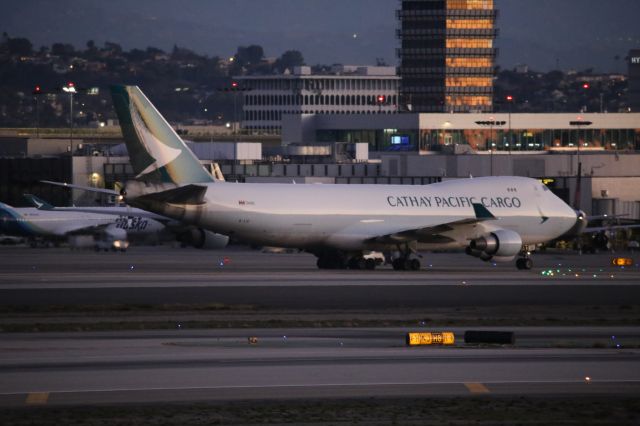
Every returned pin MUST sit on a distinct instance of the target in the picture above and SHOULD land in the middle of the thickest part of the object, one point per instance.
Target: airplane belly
(263, 229)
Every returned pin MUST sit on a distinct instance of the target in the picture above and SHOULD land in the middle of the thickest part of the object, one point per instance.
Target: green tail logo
(156, 152)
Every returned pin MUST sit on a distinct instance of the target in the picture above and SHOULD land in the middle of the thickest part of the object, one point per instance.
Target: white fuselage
(60, 222)
(349, 217)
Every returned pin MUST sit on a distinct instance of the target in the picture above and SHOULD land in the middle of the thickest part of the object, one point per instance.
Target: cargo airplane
(492, 218)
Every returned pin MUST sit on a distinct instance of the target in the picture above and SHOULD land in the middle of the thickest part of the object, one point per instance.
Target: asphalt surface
(162, 275)
(129, 367)
(184, 365)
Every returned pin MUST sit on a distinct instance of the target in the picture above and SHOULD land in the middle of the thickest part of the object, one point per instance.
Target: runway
(183, 365)
(152, 275)
(98, 368)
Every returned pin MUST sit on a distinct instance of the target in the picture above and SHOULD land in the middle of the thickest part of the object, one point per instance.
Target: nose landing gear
(524, 262)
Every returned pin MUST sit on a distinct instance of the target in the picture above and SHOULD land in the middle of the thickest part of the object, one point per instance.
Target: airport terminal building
(424, 133)
(403, 149)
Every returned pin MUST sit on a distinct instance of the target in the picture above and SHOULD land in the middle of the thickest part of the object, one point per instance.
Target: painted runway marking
(338, 385)
(477, 388)
(37, 398)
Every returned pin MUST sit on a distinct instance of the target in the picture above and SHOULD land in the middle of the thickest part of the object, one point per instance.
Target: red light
(585, 86)
(71, 84)
(381, 99)
(37, 89)
(509, 98)
(234, 84)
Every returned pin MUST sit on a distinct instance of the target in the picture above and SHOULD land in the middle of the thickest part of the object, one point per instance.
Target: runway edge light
(622, 261)
(425, 339)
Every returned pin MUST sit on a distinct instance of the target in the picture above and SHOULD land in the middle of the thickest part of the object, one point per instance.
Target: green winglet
(38, 203)
(481, 212)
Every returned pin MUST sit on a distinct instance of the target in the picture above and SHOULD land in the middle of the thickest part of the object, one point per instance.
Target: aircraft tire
(370, 264)
(414, 264)
(354, 263)
(524, 264)
(321, 263)
(398, 264)
(528, 264)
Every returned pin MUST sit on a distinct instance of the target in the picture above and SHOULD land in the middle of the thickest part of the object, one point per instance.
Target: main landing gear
(404, 262)
(335, 259)
(338, 260)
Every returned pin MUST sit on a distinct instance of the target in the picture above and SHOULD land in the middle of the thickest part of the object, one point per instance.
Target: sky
(574, 34)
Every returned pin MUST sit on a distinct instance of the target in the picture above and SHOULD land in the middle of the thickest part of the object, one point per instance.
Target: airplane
(60, 225)
(138, 223)
(491, 218)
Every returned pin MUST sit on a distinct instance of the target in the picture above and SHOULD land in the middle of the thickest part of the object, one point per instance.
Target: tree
(289, 59)
(19, 47)
(62, 49)
(136, 55)
(114, 48)
(153, 51)
(250, 55)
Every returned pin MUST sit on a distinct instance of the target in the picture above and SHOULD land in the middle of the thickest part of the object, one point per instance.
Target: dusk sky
(578, 34)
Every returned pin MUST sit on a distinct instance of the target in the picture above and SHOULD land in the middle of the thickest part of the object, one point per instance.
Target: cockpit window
(545, 187)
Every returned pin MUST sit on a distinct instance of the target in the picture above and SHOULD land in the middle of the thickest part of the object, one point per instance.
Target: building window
(463, 43)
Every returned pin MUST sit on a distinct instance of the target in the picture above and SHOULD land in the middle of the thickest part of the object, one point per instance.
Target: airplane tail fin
(157, 153)
(38, 203)
(10, 221)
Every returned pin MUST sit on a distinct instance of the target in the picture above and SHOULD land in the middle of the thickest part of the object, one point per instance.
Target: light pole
(37, 91)
(579, 123)
(70, 88)
(234, 89)
(491, 122)
(510, 102)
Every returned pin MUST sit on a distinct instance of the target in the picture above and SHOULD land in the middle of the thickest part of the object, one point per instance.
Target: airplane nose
(579, 226)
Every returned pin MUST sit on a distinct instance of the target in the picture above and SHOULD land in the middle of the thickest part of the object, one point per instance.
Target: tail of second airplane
(38, 203)
(158, 155)
(12, 222)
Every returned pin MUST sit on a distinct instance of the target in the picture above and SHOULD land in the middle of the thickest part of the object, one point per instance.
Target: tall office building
(447, 54)
(634, 79)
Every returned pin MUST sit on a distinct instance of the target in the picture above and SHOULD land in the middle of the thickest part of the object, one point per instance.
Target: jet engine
(501, 245)
(203, 239)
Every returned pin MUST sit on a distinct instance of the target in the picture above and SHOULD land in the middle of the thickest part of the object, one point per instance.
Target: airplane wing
(608, 228)
(433, 234)
(125, 213)
(188, 194)
(72, 228)
(40, 204)
(81, 187)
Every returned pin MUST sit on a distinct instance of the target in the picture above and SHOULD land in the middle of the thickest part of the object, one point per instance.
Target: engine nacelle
(203, 239)
(500, 245)
(115, 233)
